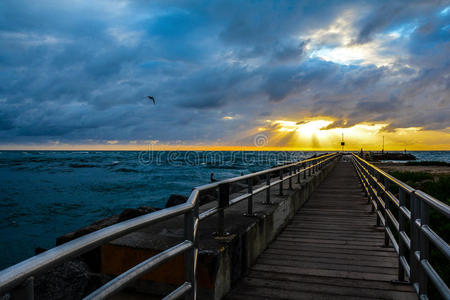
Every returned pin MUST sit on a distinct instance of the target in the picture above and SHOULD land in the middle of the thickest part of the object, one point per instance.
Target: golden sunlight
(314, 135)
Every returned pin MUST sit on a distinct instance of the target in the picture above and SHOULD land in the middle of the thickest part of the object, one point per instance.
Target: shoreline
(404, 167)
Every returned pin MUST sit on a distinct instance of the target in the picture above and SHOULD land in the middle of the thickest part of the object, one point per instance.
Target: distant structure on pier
(377, 156)
(382, 155)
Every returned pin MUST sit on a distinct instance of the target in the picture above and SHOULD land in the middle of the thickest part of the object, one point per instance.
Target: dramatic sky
(293, 74)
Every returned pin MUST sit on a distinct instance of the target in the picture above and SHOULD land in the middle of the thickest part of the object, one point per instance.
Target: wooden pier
(328, 227)
(330, 250)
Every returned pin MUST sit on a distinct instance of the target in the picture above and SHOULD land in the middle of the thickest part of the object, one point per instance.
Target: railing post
(414, 239)
(386, 210)
(371, 190)
(379, 206)
(191, 221)
(367, 186)
(304, 170)
(364, 179)
(401, 229)
(309, 169)
(250, 198)
(290, 178)
(299, 172)
(268, 188)
(224, 201)
(281, 182)
(423, 248)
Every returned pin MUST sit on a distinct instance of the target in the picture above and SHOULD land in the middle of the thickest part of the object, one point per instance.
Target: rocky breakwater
(78, 277)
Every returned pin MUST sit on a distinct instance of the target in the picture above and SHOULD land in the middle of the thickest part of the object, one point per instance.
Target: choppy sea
(45, 194)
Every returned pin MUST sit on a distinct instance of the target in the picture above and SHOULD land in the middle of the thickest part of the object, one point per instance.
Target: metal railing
(18, 279)
(389, 196)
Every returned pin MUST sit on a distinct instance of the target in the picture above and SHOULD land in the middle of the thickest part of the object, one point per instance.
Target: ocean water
(45, 194)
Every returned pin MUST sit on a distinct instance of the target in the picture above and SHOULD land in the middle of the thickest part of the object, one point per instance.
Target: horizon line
(207, 148)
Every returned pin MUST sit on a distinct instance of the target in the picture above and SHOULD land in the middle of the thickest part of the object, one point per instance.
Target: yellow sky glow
(313, 135)
(308, 135)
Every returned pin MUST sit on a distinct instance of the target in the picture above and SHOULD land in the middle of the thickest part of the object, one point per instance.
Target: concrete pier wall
(222, 260)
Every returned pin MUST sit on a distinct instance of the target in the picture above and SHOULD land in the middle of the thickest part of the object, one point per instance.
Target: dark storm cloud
(394, 14)
(79, 72)
(368, 107)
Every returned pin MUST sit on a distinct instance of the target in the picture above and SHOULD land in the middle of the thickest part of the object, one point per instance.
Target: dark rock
(175, 199)
(97, 225)
(130, 213)
(127, 214)
(93, 257)
(237, 187)
(262, 178)
(208, 196)
(68, 281)
(39, 250)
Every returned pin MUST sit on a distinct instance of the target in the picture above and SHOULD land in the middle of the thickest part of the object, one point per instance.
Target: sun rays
(315, 134)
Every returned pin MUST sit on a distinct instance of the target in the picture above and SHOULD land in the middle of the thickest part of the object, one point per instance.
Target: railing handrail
(418, 268)
(435, 203)
(386, 175)
(17, 274)
(259, 173)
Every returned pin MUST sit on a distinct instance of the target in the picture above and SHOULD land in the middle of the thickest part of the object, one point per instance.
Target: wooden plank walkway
(330, 250)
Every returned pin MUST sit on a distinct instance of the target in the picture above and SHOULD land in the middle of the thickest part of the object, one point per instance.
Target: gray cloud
(79, 73)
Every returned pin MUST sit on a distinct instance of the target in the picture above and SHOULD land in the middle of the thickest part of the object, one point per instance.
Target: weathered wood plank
(332, 267)
(327, 258)
(330, 250)
(321, 288)
(261, 271)
(275, 293)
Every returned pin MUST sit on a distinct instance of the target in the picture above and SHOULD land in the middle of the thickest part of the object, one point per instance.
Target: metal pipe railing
(115, 285)
(18, 278)
(16, 274)
(417, 267)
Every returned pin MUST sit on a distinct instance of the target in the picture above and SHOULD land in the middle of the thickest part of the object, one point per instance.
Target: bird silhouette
(211, 177)
(151, 98)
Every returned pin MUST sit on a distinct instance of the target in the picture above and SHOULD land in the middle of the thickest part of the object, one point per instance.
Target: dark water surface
(45, 194)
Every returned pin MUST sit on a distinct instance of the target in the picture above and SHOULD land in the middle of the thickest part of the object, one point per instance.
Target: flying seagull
(151, 98)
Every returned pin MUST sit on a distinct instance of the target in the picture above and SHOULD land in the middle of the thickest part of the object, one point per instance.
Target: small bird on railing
(212, 178)
(151, 98)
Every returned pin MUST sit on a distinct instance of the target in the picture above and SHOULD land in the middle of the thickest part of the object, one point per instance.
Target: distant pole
(342, 142)
(382, 150)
